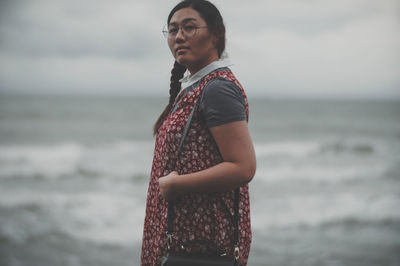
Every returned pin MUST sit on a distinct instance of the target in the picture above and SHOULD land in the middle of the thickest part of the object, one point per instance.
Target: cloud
(318, 48)
(357, 59)
(69, 28)
(280, 48)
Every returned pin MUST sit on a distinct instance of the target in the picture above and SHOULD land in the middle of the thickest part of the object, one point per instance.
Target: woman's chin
(182, 59)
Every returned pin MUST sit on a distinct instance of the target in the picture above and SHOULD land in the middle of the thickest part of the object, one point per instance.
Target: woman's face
(196, 51)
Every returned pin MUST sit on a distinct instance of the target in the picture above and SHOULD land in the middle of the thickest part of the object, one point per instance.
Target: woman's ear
(214, 40)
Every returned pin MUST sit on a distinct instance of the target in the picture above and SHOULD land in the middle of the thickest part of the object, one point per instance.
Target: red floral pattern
(198, 215)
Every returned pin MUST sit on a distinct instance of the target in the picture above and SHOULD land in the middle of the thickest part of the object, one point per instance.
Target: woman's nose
(180, 35)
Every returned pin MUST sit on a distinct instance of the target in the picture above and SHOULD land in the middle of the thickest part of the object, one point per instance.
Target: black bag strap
(171, 213)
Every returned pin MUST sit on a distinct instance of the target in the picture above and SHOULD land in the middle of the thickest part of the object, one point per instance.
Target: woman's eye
(189, 28)
(173, 30)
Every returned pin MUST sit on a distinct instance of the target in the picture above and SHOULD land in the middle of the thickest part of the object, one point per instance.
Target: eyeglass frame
(167, 34)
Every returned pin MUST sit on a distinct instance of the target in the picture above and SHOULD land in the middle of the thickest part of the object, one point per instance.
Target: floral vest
(200, 216)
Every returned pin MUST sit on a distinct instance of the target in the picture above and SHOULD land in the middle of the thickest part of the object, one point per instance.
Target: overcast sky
(280, 48)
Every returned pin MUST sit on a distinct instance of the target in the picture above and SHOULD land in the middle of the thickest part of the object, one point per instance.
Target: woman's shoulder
(221, 86)
(222, 101)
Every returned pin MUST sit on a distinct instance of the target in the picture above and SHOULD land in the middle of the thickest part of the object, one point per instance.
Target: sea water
(74, 173)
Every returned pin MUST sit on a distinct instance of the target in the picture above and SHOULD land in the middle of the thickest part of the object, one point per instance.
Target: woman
(217, 155)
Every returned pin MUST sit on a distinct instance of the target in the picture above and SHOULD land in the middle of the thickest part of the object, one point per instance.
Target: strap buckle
(169, 241)
(236, 253)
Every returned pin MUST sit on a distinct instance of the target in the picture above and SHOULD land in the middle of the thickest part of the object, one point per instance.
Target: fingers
(165, 186)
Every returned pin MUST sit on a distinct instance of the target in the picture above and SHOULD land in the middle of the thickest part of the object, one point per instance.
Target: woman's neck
(196, 68)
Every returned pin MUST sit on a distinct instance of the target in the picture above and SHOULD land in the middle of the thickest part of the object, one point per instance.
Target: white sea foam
(116, 159)
(324, 160)
(109, 209)
(319, 209)
(285, 148)
(323, 147)
(106, 218)
(97, 216)
(46, 161)
(319, 172)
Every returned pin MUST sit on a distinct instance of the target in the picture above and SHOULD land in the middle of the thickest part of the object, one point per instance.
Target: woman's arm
(238, 168)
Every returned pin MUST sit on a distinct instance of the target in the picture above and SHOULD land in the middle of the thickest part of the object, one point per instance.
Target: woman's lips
(181, 50)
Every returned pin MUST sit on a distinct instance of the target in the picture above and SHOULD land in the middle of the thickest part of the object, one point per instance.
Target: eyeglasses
(172, 31)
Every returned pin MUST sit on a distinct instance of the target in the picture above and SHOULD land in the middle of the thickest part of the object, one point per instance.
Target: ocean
(74, 172)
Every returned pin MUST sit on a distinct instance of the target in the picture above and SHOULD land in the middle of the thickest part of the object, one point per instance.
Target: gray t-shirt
(221, 102)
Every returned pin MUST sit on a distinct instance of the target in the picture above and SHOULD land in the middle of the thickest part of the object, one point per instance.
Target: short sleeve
(222, 102)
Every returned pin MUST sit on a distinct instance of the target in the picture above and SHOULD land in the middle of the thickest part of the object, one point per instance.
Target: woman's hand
(166, 187)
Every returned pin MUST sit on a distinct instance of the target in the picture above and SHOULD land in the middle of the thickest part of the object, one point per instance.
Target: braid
(175, 87)
(177, 73)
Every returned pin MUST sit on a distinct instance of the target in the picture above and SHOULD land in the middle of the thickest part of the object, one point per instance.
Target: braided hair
(177, 73)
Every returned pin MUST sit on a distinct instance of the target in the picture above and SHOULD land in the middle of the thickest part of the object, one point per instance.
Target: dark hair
(215, 25)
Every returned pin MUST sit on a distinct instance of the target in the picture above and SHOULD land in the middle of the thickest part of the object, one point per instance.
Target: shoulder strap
(171, 214)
